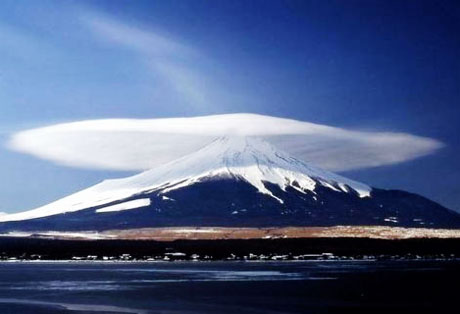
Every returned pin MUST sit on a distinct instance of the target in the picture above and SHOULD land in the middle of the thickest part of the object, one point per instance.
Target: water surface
(229, 287)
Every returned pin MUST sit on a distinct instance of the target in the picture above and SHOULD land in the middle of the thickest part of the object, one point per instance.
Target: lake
(229, 287)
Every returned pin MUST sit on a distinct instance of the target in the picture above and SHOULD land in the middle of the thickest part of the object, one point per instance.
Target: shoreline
(243, 233)
(273, 249)
(240, 261)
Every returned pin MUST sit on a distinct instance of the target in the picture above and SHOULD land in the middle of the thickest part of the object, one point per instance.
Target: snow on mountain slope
(142, 202)
(244, 158)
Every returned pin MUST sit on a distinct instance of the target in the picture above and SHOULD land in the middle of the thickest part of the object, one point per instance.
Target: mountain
(232, 182)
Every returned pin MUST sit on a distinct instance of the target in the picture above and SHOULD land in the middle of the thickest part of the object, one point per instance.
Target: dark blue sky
(370, 65)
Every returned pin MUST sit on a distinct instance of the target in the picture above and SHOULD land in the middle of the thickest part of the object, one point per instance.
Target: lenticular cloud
(140, 144)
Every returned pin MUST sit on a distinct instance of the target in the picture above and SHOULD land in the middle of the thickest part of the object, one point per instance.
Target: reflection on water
(72, 307)
(226, 287)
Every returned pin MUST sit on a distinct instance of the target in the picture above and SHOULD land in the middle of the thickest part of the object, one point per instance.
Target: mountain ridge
(250, 159)
(233, 182)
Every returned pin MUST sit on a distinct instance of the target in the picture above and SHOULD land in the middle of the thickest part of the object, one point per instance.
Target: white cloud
(185, 82)
(146, 42)
(139, 144)
(170, 59)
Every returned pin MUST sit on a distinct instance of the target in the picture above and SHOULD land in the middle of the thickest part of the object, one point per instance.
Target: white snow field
(247, 158)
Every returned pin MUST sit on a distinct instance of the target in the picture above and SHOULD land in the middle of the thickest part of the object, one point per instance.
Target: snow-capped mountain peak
(243, 158)
(256, 162)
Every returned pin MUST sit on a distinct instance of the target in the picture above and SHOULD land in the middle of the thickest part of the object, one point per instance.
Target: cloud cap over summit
(140, 144)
